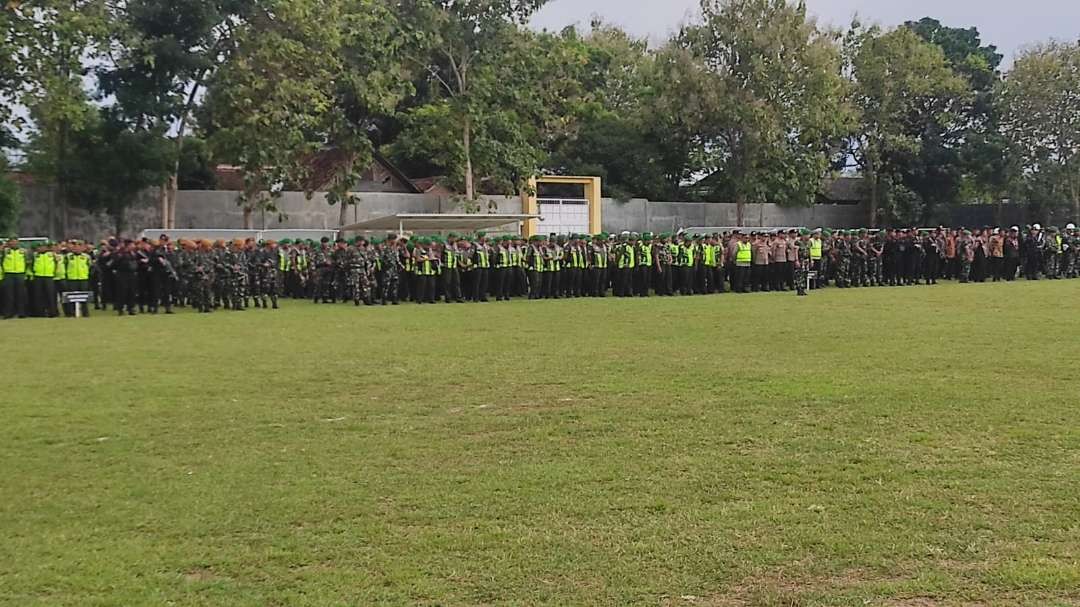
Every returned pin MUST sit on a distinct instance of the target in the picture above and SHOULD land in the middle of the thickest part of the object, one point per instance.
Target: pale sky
(1009, 24)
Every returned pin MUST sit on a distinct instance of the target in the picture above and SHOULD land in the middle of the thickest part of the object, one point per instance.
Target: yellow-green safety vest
(815, 249)
(745, 254)
(14, 262)
(44, 266)
(78, 267)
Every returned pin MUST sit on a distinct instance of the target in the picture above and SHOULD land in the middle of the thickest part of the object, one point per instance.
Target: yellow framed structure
(532, 207)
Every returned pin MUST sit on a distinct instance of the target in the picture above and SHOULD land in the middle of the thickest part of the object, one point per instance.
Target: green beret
(452, 235)
(827, 232)
(804, 232)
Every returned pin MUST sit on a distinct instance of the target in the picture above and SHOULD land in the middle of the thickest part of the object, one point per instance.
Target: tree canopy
(752, 101)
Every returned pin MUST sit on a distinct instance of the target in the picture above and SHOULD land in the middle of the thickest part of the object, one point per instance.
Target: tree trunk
(466, 142)
(872, 179)
(163, 201)
(248, 219)
(344, 213)
(61, 184)
(173, 187)
(740, 210)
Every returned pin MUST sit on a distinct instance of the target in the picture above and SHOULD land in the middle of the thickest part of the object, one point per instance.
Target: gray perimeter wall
(218, 209)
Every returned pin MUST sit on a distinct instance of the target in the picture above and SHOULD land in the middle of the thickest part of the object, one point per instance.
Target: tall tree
(612, 128)
(56, 40)
(265, 104)
(903, 89)
(966, 158)
(1041, 105)
(113, 163)
(165, 52)
(468, 50)
(773, 99)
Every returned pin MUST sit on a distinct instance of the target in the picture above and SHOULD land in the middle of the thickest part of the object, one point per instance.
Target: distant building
(380, 176)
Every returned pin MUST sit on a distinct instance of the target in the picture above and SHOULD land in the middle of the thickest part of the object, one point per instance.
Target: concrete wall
(639, 215)
(218, 209)
(34, 218)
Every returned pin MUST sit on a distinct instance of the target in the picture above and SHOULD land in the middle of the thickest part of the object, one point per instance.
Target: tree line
(752, 101)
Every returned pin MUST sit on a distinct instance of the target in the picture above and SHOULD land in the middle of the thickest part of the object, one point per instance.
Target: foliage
(766, 87)
(1041, 117)
(113, 163)
(485, 80)
(905, 94)
(10, 203)
(196, 165)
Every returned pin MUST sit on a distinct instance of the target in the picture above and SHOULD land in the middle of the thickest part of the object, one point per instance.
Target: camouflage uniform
(202, 264)
(842, 255)
(802, 265)
(392, 268)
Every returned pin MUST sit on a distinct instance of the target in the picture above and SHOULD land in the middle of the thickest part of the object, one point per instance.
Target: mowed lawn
(892, 446)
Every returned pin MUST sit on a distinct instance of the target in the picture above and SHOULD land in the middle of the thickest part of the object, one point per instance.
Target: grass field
(898, 446)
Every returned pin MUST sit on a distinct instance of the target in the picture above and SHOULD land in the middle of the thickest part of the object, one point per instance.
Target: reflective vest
(815, 249)
(686, 255)
(78, 266)
(425, 268)
(505, 258)
(626, 257)
(450, 259)
(600, 259)
(744, 254)
(1059, 247)
(646, 256)
(538, 261)
(301, 261)
(708, 256)
(14, 262)
(45, 265)
(482, 259)
(61, 267)
(283, 262)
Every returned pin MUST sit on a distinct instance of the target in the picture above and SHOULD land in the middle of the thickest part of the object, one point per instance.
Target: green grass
(897, 446)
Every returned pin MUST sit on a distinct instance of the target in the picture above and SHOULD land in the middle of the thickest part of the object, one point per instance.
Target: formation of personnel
(153, 275)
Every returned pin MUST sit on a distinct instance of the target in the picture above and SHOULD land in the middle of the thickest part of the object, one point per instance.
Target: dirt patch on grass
(201, 575)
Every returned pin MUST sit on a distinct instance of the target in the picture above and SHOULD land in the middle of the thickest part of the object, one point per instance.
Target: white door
(563, 216)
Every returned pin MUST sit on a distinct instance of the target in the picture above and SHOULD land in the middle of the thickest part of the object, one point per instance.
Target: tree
(1040, 102)
(611, 129)
(472, 51)
(10, 203)
(265, 104)
(902, 89)
(966, 159)
(771, 98)
(56, 40)
(113, 163)
(372, 80)
(165, 53)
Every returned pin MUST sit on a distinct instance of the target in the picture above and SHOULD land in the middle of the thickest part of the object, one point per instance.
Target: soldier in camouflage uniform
(1068, 253)
(803, 263)
(266, 279)
(321, 274)
(859, 255)
(876, 269)
(393, 265)
(965, 250)
(201, 267)
(841, 250)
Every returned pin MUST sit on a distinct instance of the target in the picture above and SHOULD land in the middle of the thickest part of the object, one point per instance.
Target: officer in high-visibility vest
(743, 258)
(13, 268)
(815, 258)
(77, 266)
(44, 271)
(451, 275)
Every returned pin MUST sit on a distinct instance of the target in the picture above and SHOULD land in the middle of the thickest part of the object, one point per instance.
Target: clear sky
(1009, 24)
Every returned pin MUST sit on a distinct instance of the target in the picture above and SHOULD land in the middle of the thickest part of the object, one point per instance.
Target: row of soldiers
(160, 274)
